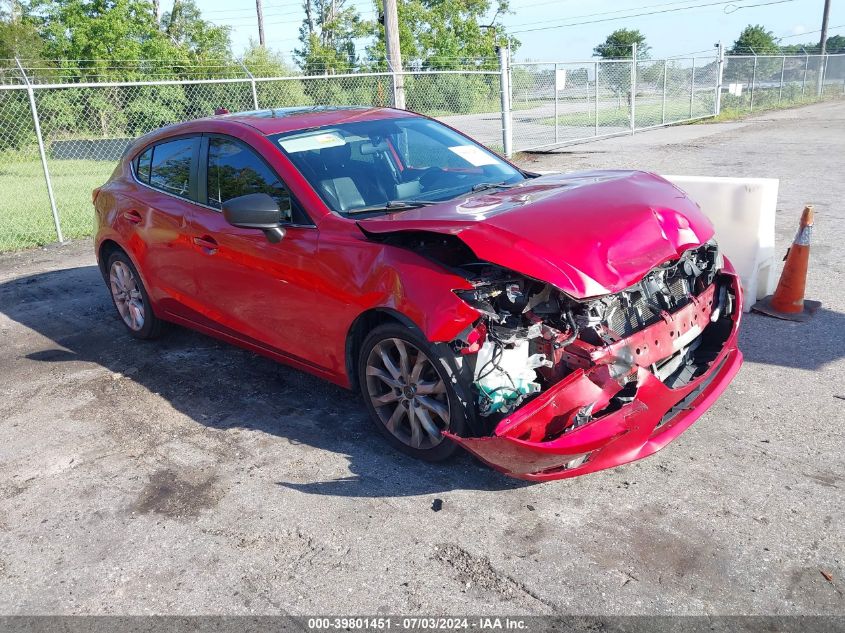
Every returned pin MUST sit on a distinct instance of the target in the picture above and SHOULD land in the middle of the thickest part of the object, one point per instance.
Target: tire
(407, 401)
(130, 298)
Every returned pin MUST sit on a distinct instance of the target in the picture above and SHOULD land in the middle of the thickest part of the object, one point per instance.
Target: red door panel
(253, 289)
(155, 225)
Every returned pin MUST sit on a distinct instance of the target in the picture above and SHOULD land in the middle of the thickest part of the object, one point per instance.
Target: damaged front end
(563, 386)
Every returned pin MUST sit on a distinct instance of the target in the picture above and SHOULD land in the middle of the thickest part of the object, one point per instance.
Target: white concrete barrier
(743, 212)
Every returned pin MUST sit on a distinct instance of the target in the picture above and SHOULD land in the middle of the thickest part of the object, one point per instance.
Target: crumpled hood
(587, 233)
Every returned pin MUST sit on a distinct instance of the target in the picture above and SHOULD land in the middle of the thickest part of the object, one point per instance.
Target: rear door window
(170, 167)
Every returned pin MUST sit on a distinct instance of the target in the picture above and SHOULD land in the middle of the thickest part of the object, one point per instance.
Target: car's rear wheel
(408, 392)
(130, 298)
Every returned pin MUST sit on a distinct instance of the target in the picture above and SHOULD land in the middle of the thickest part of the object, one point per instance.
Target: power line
(706, 50)
(243, 21)
(273, 5)
(788, 37)
(290, 5)
(636, 15)
(603, 13)
(751, 6)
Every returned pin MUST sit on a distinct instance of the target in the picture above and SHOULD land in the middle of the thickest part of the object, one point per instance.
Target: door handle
(207, 243)
(132, 216)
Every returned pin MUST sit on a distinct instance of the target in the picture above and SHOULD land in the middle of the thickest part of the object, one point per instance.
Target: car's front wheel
(130, 297)
(408, 392)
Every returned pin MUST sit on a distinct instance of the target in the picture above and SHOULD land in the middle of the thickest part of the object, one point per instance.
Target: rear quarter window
(142, 166)
(170, 167)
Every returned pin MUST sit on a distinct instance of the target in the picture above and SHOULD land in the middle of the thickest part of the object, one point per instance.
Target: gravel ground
(186, 476)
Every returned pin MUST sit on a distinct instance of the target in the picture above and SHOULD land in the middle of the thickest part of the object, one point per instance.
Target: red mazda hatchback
(551, 325)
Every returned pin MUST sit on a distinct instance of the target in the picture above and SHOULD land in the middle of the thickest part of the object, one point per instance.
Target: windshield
(385, 165)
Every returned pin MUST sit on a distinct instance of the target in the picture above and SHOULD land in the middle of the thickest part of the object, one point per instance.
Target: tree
(99, 31)
(263, 62)
(18, 38)
(755, 39)
(836, 44)
(328, 35)
(98, 38)
(202, 39)
(104, 40)
(620, 44)
(441, 34)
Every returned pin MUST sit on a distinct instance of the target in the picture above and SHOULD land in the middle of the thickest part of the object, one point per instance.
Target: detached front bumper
(654, 417)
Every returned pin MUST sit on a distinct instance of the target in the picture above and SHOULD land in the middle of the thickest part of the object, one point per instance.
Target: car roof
(272, 121)
(278, 120)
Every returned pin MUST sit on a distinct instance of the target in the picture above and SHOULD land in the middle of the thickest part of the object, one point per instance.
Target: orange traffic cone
(788, 301)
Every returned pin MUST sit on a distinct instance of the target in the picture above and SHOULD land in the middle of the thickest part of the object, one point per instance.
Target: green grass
(25, 216)
(26, 220)
(767, 99)
(647, 114)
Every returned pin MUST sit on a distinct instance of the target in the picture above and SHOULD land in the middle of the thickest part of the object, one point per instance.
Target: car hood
(587, 233)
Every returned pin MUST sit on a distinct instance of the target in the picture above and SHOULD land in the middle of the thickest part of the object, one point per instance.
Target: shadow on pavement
(224, 387)
(810, 345)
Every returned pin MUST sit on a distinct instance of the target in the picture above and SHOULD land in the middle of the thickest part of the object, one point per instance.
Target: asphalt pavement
(185, 476)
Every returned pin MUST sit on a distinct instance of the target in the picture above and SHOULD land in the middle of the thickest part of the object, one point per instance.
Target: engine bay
(531, 335)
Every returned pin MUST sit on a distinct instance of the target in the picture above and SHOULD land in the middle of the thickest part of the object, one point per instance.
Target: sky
(577, 26)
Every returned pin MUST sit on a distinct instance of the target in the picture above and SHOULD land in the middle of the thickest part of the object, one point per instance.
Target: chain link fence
(88, 118)
(86, 127)
(553, 104)
(764, 82)
(565, 102)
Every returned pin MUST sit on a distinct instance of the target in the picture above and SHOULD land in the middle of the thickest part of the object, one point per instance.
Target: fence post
(720, 76)
(597, 99)
(663, 108)
(633, 87)
(251, 82)
(505, 81)
(37, 123)
(782, 70)
(806, 68)
(820, 80)
(555, 80)
(692, 89)
(753, 82)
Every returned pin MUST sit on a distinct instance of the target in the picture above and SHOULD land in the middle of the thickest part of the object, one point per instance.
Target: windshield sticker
(475, 156)
(311, 142)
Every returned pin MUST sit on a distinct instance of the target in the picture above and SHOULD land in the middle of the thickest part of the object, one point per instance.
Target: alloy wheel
(127, 296)
(407, 393)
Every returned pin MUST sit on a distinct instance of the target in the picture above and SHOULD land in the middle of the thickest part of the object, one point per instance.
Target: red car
(551, 325)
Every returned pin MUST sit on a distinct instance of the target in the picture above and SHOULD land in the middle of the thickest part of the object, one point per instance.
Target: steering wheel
(430, 176)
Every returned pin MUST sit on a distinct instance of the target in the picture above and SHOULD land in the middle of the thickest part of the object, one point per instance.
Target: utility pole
(394, 55)
(823, 49)
(156, 10)
(825, 17)
(260, 11)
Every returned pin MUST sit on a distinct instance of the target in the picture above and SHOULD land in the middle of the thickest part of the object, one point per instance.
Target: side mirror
(255, 211)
